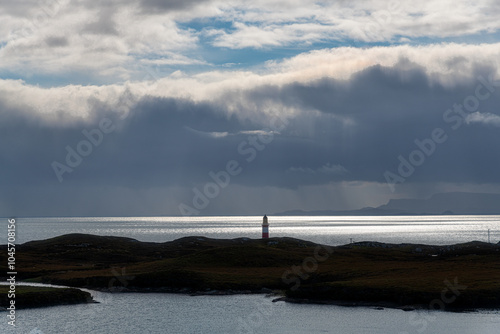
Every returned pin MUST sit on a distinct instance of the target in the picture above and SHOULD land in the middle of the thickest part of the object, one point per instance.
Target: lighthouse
(265, 228)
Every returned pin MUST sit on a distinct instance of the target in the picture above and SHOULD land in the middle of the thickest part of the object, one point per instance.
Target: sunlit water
(171, 313)
(328, 230)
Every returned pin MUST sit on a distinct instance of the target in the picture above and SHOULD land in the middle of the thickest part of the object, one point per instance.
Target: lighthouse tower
(265, 228)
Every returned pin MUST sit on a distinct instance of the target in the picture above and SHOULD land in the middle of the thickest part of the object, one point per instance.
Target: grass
(28, 296)
(373, 272)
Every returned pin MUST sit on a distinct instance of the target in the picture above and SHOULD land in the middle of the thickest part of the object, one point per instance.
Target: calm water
(327, 230)
(178, 314)
(170, 313)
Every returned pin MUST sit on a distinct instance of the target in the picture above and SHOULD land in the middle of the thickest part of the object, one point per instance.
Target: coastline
(405, 276)
(34, 297)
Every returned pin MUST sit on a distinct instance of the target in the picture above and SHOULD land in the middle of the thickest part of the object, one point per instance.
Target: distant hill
(458, 203)
(369, 211)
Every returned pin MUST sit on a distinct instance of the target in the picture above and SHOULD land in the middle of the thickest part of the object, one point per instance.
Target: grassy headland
(31, 296)
(451, 277)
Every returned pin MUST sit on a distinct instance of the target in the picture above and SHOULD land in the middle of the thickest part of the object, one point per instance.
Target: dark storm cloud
(346, 130)
(380, 112)
(364, 125)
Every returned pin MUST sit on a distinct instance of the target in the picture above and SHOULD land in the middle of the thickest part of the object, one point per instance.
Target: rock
(408, 308)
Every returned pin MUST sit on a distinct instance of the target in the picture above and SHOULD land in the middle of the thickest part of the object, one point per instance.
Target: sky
(204, 107)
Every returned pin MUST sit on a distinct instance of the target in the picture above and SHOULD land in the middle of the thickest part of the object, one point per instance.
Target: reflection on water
(179, 314)
(170, 313)
(327, 230)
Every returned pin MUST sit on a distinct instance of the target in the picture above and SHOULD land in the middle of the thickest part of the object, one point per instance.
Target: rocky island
(453, 277)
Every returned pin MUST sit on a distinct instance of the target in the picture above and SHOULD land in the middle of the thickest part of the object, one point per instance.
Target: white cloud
(326, 169)
(173, 59)
(63, 106)
(483, 118)
(107, 40)
(281, 23)
(96, 41)
(133, 52)
(448, 64)
(249, 36)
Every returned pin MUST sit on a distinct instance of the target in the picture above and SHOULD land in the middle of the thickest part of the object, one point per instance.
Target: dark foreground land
(455, 277)
(28, 296)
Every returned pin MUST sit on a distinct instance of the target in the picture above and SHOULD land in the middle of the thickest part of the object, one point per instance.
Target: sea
(125, 313)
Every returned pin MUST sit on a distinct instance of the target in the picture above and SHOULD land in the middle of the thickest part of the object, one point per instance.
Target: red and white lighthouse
(265, 228)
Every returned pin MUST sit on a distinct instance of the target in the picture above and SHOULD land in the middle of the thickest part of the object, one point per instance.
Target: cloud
(54, 41)
(270, 23)
(325, 81)
(155, 6)
(104, 24)
(327, 119)
(172, 59)
(483, 118)
(328, 168)
(100, 43)
(249, 36)
(107, 42)
(307, 124)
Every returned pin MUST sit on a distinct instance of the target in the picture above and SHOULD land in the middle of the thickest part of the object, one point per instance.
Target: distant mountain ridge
(458, 203)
